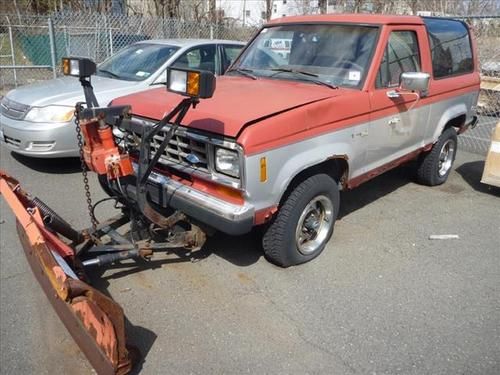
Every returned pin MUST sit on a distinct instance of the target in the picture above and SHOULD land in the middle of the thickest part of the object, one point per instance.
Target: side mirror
(411, 83)
(199, 84)
(78, 67)
(414, 81)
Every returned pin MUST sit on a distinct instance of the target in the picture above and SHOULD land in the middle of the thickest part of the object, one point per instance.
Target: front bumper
(226, 217)
(43, 140)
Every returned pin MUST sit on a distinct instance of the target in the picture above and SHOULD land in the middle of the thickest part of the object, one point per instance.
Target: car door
(397, 123)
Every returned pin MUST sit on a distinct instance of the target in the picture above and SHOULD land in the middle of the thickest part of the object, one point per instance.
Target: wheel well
(456, 122)
(336, 167)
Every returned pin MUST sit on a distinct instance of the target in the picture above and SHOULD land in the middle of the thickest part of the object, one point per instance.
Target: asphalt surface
(381, 299)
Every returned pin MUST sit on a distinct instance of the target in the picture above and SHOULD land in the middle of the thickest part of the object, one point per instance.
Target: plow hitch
(61, 256)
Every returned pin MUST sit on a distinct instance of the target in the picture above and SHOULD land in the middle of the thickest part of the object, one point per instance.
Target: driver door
(397, 125)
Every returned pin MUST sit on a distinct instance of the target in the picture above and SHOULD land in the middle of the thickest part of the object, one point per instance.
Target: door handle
(394, 121)
(363, 133)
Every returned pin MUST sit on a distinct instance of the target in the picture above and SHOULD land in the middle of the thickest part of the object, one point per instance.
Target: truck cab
(354, 96)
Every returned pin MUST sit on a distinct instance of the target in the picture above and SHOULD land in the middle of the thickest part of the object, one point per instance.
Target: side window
(202, 57)
(450, 47)
(401, 55)
(231, 52)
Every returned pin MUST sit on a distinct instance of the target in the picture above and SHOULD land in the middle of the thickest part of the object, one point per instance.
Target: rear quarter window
(450, 47)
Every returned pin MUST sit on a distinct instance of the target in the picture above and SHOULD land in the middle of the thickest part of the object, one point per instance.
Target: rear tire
(304, 223)
(435, 166)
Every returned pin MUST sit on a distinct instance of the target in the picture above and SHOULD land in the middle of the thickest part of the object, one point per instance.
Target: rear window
(450, 47)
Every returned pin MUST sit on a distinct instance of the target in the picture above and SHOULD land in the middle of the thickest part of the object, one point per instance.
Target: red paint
(264, 215)
(247, 109)
(375, 19)
(101, 153)
(236, 101)
(239, 102)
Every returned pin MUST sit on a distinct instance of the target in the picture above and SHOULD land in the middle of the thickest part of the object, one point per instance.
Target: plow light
(193, 83)
(78, 67)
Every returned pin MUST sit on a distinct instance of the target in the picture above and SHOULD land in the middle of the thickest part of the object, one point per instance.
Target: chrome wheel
(446, 157)
(314, 225)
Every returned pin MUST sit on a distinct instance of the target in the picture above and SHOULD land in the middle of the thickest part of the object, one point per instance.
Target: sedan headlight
(227, 162)
(51, 113)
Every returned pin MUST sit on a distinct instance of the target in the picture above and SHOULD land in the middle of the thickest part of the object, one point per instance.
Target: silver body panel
(367, 146)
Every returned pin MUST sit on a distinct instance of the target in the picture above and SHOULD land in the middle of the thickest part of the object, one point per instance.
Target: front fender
(285, 163)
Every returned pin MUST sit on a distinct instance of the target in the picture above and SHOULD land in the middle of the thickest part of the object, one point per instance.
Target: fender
(286, 163)
(455, 111)
(301, 162)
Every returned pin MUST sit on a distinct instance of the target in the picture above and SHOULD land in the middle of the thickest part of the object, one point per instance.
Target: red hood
(237, 101)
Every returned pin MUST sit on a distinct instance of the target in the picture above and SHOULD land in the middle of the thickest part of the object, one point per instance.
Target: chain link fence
(487, 33)
(31, 47)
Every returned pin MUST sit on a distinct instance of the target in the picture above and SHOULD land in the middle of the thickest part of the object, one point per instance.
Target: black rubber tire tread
(428, 164)
(278, 240)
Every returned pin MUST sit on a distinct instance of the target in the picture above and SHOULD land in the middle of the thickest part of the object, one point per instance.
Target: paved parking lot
(381, 299)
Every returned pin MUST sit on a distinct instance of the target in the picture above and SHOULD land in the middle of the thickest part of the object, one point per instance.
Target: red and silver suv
(355, 96)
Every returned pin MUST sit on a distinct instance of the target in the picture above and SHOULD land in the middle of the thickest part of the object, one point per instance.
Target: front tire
(304, 223)
(435, 166)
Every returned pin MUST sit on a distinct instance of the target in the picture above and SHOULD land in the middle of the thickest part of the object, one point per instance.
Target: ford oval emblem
(192, 158)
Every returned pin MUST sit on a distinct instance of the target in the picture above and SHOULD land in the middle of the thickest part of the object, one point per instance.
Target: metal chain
(86, 185)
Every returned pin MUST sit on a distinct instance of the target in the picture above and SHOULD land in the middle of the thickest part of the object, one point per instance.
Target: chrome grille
(14, 110)
(178, 150)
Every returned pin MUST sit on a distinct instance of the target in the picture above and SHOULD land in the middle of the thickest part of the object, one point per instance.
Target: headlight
(78, 67)
(227, 162)
(51, 113)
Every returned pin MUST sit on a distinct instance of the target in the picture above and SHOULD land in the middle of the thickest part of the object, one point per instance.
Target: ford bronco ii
(356, 96)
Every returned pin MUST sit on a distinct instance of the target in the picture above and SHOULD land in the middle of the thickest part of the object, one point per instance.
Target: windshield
(338, 55)
(136, 62)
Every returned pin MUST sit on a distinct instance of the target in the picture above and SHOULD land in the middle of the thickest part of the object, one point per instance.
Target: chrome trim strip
(219, 207)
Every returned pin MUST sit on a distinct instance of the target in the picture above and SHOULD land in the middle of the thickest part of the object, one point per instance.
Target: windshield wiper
(244, 71)
(109, 73)
(305, 73)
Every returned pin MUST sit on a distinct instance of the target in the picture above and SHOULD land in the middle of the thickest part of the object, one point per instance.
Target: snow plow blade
(96, 322)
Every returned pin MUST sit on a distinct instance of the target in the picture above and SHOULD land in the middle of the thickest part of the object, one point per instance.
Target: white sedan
(37, 120)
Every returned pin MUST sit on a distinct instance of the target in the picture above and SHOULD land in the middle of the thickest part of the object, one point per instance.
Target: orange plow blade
(95, 321)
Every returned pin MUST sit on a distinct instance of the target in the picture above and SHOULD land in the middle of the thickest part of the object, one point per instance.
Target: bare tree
(358, 4)
(269, 9)
(322, 4)
(167, 8)
(212, 12)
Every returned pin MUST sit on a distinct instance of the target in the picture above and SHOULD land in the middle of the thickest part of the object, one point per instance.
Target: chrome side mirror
(414, 81)
(411, 83)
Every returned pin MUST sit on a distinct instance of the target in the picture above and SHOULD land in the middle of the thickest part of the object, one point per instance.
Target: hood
(237, 101)
(68, 91)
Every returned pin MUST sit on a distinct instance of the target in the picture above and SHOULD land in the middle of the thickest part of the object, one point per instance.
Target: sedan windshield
(136, 62)
(332, 54)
